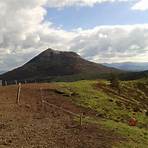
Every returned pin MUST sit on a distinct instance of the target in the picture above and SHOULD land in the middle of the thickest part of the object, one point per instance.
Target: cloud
(141, 5)
(67, 3)
(112, 43)
(24, 33)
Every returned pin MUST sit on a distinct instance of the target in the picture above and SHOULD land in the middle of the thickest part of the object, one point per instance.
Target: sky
(99, 30)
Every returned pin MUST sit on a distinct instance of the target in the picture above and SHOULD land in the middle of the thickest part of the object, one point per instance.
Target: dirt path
(25, 126)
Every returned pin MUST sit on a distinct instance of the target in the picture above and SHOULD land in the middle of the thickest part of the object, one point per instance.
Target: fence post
(41, 99)
(18, 94)
(81, 118)
(41, 94)
(6, 83)
(16, 82)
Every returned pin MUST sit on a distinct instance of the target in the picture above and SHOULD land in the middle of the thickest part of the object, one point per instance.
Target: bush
(114, 81)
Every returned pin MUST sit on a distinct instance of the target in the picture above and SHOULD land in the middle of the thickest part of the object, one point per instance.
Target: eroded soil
(29, 126)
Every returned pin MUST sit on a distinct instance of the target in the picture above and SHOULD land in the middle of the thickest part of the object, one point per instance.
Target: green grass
(133, 137)
(115, 113)
(107, 105)
(136, 137)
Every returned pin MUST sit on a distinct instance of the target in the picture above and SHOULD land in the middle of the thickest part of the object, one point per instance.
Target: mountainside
(129, 66)
(134, 75)
(1, 72)
(51, 63)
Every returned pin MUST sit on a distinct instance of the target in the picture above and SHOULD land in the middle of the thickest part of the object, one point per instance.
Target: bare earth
(28, 126)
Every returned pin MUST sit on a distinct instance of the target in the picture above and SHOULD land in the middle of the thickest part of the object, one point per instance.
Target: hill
(106, 114)
(1, 72)
(129, 66)
(133, 75)
(52, 64)
(114, 109)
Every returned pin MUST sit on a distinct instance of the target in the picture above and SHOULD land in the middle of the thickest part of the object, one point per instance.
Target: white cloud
(137, 4)
(141, 5)
(113, 43)
(24, 33)
(67, 3)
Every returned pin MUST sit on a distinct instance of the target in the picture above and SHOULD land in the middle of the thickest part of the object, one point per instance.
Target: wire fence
(47, 104)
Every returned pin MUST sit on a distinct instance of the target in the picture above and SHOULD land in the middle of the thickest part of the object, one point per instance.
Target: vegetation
(114, 81)
(103, 106)
(115, 108)
(133, 136)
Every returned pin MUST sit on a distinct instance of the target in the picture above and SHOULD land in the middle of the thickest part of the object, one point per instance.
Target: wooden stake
(41, 94)
(5, 83)
(81, 116)
(18, 94)
(16, 82)
(41, 97)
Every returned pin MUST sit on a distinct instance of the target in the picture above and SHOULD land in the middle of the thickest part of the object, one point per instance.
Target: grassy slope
(115, 109)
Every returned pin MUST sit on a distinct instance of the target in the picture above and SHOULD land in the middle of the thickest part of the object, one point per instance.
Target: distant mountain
(56, 64)
(129, 66)
(1, 72)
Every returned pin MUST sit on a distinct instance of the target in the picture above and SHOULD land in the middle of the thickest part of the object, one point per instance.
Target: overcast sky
(99, 30)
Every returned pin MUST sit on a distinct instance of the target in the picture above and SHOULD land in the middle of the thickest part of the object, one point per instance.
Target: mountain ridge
(53, 63)
(129, 66)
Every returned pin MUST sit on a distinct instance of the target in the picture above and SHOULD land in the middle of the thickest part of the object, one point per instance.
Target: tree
(114, 82)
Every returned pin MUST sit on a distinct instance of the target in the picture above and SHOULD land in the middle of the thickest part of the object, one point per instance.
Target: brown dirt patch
(26, 126)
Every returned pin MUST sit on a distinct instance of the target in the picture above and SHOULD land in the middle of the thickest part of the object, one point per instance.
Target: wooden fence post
(41, 94)
(16, 82)
(18, 94)
(41, 99)
(81, 118)
(6, 83)
(1, 82)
